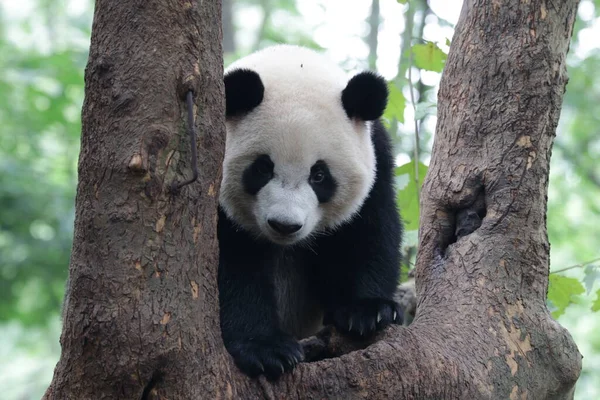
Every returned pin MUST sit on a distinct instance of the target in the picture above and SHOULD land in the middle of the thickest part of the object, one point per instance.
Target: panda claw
(292, 360)
(378, 317)
(395, 315)
(350, 323)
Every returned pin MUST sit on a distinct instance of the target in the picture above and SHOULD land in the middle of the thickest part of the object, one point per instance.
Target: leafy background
(43, 51)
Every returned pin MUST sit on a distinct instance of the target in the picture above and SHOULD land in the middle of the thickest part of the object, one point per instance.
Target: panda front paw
(271, 355)
(364, 317)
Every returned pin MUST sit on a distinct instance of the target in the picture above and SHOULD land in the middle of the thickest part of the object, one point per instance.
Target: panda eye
(318, 176)
(263, 166)
(258, 174)
(322, 182)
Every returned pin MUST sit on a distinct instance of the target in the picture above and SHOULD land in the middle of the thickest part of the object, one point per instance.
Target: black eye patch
(322, 181)
(257, 174)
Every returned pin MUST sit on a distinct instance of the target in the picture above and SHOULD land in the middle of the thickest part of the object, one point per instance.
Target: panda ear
(365, 96)
(244, 91)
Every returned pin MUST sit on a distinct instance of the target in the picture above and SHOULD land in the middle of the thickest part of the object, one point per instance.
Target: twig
(416, 149)
(575, 266)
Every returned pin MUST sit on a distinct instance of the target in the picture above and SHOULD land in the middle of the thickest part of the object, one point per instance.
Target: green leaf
(396, 104)
(402, 1)
(596, 304)
(447, 42)
(429, 57)
(408, 199)
(592, 273)
(561, 289)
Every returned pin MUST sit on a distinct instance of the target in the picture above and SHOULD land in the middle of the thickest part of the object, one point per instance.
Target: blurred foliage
(396, 105)
(409, 179)
(573, 210)
(429, 57)
(43, 55)
(561, 291)
(596, 305)
(279, 22)
(40, 124)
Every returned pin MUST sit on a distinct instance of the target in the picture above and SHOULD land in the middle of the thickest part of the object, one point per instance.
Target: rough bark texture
(499, 104)
(141, 312)
(141, 317)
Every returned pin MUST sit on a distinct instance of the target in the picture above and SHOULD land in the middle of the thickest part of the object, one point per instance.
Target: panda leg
(362, 266)
(359, 295)
(249, 323)
(248, 310)
(363, 317)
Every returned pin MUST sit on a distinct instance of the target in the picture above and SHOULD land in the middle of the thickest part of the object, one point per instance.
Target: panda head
(299, 158)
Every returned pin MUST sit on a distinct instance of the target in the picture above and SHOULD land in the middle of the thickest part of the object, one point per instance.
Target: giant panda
(309, 232)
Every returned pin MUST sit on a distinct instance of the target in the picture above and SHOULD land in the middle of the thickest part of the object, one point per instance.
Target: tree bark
(141, 316)
(141, 313)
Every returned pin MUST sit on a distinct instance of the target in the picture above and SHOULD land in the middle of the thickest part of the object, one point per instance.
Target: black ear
(365, 96)
(243, 92)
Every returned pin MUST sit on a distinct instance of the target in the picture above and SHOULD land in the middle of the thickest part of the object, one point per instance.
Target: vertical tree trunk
(499, 105)
(141, 316)
(141, 311)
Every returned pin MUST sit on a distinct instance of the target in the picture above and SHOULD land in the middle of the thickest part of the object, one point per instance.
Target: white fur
(301, 120)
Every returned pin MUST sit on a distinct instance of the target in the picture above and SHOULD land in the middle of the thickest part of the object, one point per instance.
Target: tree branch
(581, 265)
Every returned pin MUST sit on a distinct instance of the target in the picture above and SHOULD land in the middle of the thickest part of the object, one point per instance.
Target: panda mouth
(283, 231)
(284, 239)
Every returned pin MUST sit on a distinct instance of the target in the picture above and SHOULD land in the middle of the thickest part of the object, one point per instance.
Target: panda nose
(283, 228)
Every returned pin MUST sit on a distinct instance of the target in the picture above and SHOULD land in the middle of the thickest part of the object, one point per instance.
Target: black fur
(324, 189)
(258, 174)
(365, 96)
(244, 91)
(353, 274)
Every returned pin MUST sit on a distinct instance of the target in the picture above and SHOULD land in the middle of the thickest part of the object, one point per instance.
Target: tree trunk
(141, 316)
